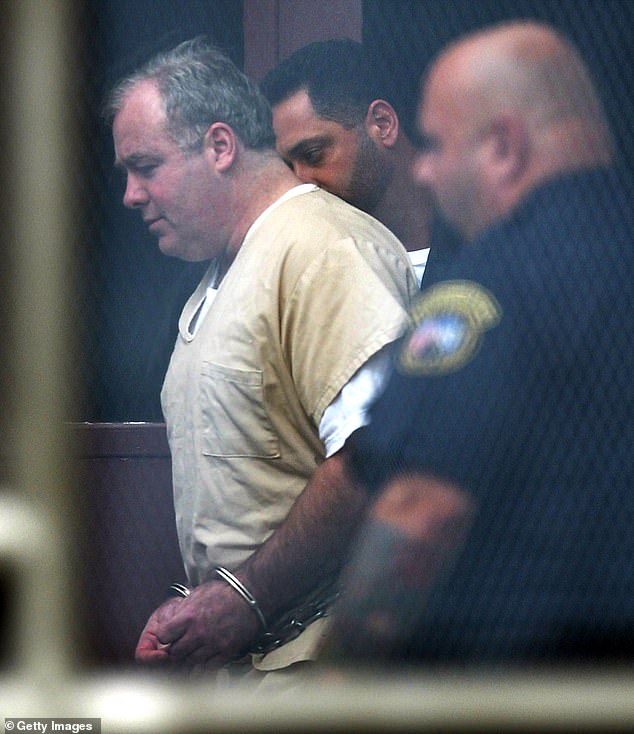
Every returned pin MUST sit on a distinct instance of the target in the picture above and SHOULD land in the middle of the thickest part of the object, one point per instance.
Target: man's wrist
(243, 592)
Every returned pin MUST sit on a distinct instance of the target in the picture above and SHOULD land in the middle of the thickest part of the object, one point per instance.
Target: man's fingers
(169, 633)
(155, 656)
(183, 647)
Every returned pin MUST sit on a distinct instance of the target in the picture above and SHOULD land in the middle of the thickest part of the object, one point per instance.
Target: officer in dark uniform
(502, 452)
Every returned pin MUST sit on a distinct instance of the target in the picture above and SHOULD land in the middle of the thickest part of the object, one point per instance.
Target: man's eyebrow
(133, 160)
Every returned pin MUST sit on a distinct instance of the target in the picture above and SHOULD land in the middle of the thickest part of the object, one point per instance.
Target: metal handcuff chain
(290, 626)
(286, 628)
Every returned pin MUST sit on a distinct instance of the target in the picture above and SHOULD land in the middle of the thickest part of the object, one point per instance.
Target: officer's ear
(509, 141)
(381, 123)
(220, 146)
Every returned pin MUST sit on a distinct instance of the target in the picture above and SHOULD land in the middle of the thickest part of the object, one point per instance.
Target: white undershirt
(349, 410)
(418, 259)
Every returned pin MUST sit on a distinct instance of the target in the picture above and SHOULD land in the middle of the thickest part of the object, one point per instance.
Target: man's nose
(305, 173)
(135, 194)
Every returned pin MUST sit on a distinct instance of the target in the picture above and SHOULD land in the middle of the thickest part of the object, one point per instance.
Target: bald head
(513, 105)
(526, 67)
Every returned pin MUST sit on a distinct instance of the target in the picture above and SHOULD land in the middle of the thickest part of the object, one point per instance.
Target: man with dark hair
(336, 127)
(501, 449)
(302, 292)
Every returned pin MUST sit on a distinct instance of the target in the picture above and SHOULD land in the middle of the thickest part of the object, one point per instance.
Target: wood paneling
(275, 28)
(129, 533)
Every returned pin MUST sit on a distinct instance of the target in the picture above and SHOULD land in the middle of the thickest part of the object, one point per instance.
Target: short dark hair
(200, 85)
(338, 75)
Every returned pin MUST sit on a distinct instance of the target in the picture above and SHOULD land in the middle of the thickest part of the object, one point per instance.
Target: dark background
(407, 34)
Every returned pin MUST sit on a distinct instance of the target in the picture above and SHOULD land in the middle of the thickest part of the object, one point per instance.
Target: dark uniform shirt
(517, 382)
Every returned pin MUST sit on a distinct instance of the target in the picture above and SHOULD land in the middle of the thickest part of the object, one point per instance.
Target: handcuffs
(288, 626)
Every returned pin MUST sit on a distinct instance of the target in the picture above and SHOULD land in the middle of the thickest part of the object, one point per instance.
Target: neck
(406, 208)
(575, 144)
(259, 183)
(564, 148)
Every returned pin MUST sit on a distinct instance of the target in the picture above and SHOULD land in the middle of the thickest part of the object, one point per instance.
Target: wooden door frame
(275, 28)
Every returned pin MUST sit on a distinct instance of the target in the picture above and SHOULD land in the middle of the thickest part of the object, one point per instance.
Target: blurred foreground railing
(44, 676)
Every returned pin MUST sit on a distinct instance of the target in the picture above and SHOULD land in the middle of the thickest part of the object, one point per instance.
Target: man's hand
(209, 628)
(150, 648)
(214, 625)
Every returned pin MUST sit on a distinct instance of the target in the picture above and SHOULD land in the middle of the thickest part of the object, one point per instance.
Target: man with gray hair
(272, 367)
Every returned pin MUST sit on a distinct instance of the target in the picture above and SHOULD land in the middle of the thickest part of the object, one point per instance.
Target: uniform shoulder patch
(449, 320)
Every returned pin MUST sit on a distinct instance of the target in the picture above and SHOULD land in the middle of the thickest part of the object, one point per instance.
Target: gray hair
(200, 85)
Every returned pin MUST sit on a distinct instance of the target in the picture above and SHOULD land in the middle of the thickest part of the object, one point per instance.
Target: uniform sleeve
(452, 375)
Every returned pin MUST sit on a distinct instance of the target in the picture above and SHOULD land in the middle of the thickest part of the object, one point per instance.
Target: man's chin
(168, 247)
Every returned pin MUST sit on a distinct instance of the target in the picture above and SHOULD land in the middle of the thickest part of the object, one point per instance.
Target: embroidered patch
(449, 321)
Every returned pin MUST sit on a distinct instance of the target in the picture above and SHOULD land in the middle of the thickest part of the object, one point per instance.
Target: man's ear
(381, 123)
(510, 146)
(221, 144)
